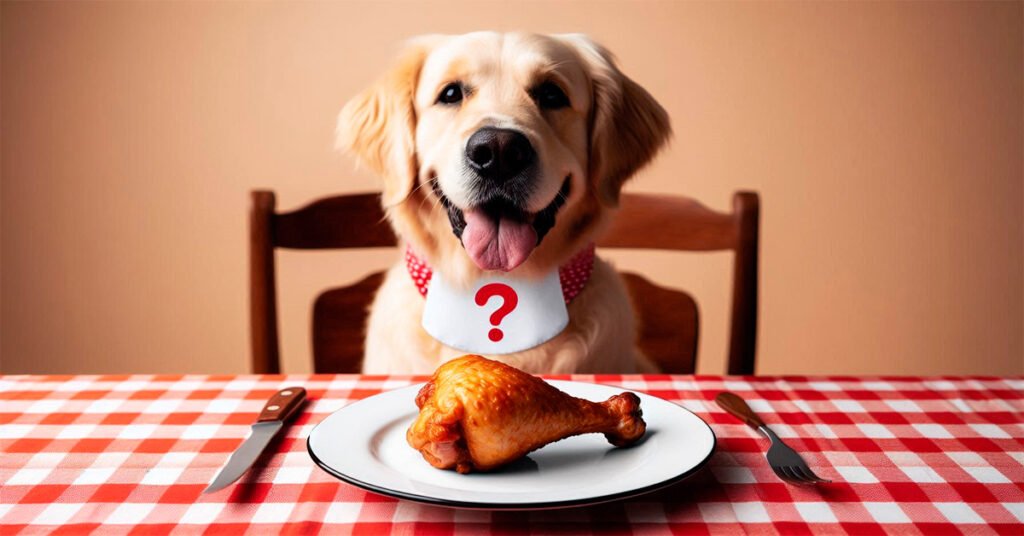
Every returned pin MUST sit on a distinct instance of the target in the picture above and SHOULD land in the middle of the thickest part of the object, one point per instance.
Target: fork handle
(739, 409)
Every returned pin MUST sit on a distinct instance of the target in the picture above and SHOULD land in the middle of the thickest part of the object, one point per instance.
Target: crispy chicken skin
(477, 414)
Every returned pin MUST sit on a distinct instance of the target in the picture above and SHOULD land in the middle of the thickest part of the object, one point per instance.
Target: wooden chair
(669, 319)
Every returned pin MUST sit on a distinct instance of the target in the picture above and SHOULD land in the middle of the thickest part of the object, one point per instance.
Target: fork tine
(806, 472)
(794, 476)
(803, 476)
(781, 474)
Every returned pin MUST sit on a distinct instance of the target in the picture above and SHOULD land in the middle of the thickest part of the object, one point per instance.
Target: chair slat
(648, 221)
(668, 324)
(344, 221)
(339, 325)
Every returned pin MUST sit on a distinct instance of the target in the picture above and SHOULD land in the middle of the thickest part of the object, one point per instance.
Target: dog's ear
(627, 126)
(379, 124)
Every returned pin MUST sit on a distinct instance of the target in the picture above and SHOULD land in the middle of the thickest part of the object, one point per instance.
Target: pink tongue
(497, 244)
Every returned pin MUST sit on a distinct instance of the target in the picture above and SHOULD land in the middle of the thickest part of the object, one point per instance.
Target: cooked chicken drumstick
(477, 414)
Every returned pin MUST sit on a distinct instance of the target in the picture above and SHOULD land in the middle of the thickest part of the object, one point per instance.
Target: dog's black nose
(499, 154)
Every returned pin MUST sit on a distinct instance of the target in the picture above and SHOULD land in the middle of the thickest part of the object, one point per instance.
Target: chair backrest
(668, 319)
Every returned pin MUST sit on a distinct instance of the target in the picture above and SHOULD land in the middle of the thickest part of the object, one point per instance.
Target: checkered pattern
(131, 454)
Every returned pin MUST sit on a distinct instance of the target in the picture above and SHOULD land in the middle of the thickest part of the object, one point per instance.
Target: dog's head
(502, 151)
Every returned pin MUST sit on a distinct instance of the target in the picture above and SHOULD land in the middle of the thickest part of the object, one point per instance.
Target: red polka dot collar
(573, 275)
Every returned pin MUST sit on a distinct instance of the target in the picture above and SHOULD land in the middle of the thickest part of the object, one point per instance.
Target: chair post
(743, 336)
(263, 295)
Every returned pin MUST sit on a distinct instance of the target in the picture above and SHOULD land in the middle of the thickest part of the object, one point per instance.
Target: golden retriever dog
(503, 153)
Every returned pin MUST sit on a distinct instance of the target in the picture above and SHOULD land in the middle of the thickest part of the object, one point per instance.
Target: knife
(278, 409)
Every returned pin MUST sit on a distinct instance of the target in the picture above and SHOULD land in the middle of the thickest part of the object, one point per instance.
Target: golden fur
(611, 128)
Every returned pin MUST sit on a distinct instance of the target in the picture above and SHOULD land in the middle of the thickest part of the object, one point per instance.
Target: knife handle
(282, 405)
(738, 408)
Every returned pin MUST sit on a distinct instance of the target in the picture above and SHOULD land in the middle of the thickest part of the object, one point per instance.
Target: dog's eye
(549, 96)
(450, 94)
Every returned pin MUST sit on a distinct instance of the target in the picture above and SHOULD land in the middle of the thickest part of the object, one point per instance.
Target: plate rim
(543, 505)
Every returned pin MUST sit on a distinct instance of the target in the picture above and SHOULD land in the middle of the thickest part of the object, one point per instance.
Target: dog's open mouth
(497, 234)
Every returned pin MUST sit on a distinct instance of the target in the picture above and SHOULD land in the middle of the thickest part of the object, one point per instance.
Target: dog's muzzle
(499, 234)
(496, 230)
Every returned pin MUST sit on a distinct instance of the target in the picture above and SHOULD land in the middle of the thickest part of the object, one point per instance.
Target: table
(131, 454)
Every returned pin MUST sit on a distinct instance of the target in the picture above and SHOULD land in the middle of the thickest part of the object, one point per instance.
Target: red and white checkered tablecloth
(132, 454)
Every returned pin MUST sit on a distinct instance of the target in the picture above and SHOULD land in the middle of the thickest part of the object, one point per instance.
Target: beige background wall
(885, 139)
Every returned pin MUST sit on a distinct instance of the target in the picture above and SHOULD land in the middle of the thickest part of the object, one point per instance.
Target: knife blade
(277, 410)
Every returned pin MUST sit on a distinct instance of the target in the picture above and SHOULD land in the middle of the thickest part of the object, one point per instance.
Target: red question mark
(509, 300)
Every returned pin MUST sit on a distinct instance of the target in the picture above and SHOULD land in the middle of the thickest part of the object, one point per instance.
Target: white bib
(496, 315)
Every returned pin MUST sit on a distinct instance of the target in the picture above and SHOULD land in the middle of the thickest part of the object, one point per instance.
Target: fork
(784, 461)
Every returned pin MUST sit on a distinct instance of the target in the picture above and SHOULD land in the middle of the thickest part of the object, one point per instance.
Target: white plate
(364, 445)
